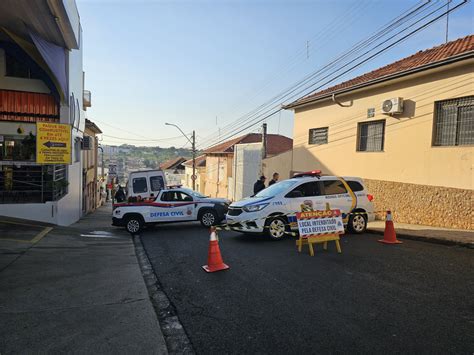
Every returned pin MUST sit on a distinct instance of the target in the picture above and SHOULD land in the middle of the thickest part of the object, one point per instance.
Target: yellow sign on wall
(53, 143)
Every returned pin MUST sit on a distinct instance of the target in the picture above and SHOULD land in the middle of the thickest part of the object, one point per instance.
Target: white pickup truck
(171, 205)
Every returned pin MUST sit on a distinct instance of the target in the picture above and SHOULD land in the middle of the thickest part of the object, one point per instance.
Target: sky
(202, 65)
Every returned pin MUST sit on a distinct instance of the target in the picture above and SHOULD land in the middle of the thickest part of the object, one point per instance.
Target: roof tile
(276, 143)
(419, 59)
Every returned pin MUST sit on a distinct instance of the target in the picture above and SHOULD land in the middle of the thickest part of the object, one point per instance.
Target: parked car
(171, 205)
(273, 210)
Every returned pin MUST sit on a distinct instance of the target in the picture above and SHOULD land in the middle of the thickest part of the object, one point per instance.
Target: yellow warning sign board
(53, 143)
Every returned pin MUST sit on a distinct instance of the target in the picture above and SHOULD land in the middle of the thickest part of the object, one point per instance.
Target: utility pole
(194, 160)
(264, 140)
(264, 146)
(193, 145)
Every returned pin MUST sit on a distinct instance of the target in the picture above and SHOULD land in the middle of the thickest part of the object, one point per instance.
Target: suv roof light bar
(313, 173)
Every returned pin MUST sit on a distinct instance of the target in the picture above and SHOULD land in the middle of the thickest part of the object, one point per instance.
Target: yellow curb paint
(40, 235)
(35, 240)
(22, 224)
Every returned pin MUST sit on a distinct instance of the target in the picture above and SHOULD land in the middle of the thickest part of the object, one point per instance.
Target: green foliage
(152, 156)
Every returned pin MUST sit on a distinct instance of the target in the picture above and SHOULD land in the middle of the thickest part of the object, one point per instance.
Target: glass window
(370, 136)
(194, 193)
(157, 183)
(308, 189)
(184, 196)
(355, 186)
(139, 185)
(18, 148)
(166, 196)
(318, 135)
(18, 69)
(277, 188)
(334, 187)
(175, 196)
(454, 122)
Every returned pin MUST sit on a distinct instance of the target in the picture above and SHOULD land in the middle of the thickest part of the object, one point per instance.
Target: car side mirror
(294, 194)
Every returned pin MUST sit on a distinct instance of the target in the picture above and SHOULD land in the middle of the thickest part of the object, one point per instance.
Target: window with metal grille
(371, 136)
(318, 135)
(454, 122)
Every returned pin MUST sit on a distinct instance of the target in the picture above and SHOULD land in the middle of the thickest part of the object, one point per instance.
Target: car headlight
(255, 208)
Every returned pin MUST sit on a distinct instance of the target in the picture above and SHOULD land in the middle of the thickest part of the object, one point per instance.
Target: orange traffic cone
(389, 236)
(214, 258)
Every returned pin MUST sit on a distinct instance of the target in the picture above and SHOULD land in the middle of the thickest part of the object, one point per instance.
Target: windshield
(193, 193)
(276, 189)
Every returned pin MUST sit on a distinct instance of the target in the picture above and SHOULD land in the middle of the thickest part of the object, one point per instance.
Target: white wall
(246, 170)
(43, 212)
(280, 164)
(10, 128)
(70, 206)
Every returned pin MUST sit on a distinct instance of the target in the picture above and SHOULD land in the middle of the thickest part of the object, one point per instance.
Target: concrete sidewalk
(427, 233)
(75, 289)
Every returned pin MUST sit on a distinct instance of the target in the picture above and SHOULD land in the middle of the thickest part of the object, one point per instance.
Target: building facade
(220, 165)
(200, 172)
(174, 171)
(41, 80)
(406, 128)
(92, 181)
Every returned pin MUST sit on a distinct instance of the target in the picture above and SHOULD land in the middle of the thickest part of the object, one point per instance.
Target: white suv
(273, 210)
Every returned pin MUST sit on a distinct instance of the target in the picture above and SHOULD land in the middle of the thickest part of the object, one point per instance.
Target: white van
(145, 182)
(273, 210)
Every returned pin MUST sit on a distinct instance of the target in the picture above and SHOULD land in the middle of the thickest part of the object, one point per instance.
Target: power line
(336, 22)
(144, 140)
(122, 129)
(353, 11)
(356, 48)
(360, 63)
(340, 69)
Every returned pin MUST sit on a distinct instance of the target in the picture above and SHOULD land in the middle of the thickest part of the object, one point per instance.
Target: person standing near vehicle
(274, 179)
(120, 194)
(259, 185)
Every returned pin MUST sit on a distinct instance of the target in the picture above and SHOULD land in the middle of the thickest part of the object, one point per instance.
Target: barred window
(318, 135)
(371, 136)
(454, 122)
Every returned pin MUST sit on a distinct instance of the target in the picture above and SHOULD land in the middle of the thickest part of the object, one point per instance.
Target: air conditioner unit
(393, 106)
(87, 143)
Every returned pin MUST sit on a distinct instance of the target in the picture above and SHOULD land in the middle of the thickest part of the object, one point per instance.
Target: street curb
(426, 239)
(176, 339)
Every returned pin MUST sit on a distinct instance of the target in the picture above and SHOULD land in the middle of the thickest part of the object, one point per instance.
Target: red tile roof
(172, 163)
(276, 143)
(416, 61)
(200, 161)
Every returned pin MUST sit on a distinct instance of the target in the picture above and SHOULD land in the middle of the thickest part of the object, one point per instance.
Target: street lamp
(193, 144)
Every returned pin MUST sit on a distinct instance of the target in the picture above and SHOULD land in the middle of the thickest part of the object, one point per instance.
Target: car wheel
(357, 223)
(276, 227)
(208, 218)
(134, 224)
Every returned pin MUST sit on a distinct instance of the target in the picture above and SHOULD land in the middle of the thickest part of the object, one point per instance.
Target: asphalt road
(372, 298)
